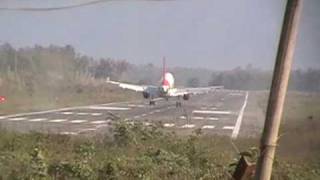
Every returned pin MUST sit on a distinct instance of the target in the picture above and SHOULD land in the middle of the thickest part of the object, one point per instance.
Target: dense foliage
(130, 152)
(48, 66)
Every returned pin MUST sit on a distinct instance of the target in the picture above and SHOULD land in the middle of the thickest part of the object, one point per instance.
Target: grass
(57, 97)
(130, 152)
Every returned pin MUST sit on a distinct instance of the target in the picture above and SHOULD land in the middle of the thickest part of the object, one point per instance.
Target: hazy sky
(215, 34)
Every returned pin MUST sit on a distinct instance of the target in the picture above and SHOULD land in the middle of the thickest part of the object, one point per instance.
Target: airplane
(166, 90)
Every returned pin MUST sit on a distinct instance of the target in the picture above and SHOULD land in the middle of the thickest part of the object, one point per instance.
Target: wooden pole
(278, 90)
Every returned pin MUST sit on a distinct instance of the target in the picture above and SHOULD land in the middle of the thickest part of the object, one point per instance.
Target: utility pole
(278, 90)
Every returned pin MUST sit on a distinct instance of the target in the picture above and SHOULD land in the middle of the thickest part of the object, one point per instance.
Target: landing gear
(152, 103)
(178, 104)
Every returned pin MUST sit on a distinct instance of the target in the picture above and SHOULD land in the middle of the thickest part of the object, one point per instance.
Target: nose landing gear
(178, 104)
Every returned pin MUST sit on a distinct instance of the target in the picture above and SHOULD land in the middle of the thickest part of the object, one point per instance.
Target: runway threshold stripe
(109, 108)
(211, 112)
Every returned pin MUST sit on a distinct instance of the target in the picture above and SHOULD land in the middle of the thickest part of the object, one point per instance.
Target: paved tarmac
(220, 112)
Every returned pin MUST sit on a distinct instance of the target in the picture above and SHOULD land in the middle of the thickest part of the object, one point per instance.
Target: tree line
(52, 66)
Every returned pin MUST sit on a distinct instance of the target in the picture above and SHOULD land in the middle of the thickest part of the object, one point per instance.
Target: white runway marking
(2, 117)
(17, 119)
(212, 112)
(183, 117)
(136, 105)
(78, 121)
(67, 113)
(59, 110)
(96, 114)
(109, 108)
(98, 122)
(82, 114)
(239, 119)
(38, 119)
(87, 129)
(188, 126)
(198, 118)
(235, 94)
(57, 120)
(213, 119)
(168, 125)
(208, 127)
(69, 133)
(102, 125)
(147, 124)
(228, 127)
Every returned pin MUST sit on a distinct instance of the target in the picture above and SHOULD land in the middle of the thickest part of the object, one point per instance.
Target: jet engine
(146, 95)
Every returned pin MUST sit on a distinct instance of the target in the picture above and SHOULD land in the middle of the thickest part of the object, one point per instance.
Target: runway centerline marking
(228, 127)
(236, 129)
(82, 113)
(98, 122)
(136, 105)
(198, 118)
(37, 119)
(96, 114)
(78, 121)
(212, 112)
(17, 119)
(58, 120)
(213, 119)
(109, 108)
(66, 113)
(188, 126)
(208, 127)
(69, 133)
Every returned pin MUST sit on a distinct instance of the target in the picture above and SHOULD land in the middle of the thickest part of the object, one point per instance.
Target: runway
(219, 112)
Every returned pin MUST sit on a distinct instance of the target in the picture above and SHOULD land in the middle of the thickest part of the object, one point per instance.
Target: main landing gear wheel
(152, 103)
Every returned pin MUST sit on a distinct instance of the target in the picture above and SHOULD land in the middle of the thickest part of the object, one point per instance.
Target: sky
(211, 34)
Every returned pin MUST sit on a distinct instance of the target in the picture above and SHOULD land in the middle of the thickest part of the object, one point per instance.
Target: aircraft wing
(193, 91)
(134, 87)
